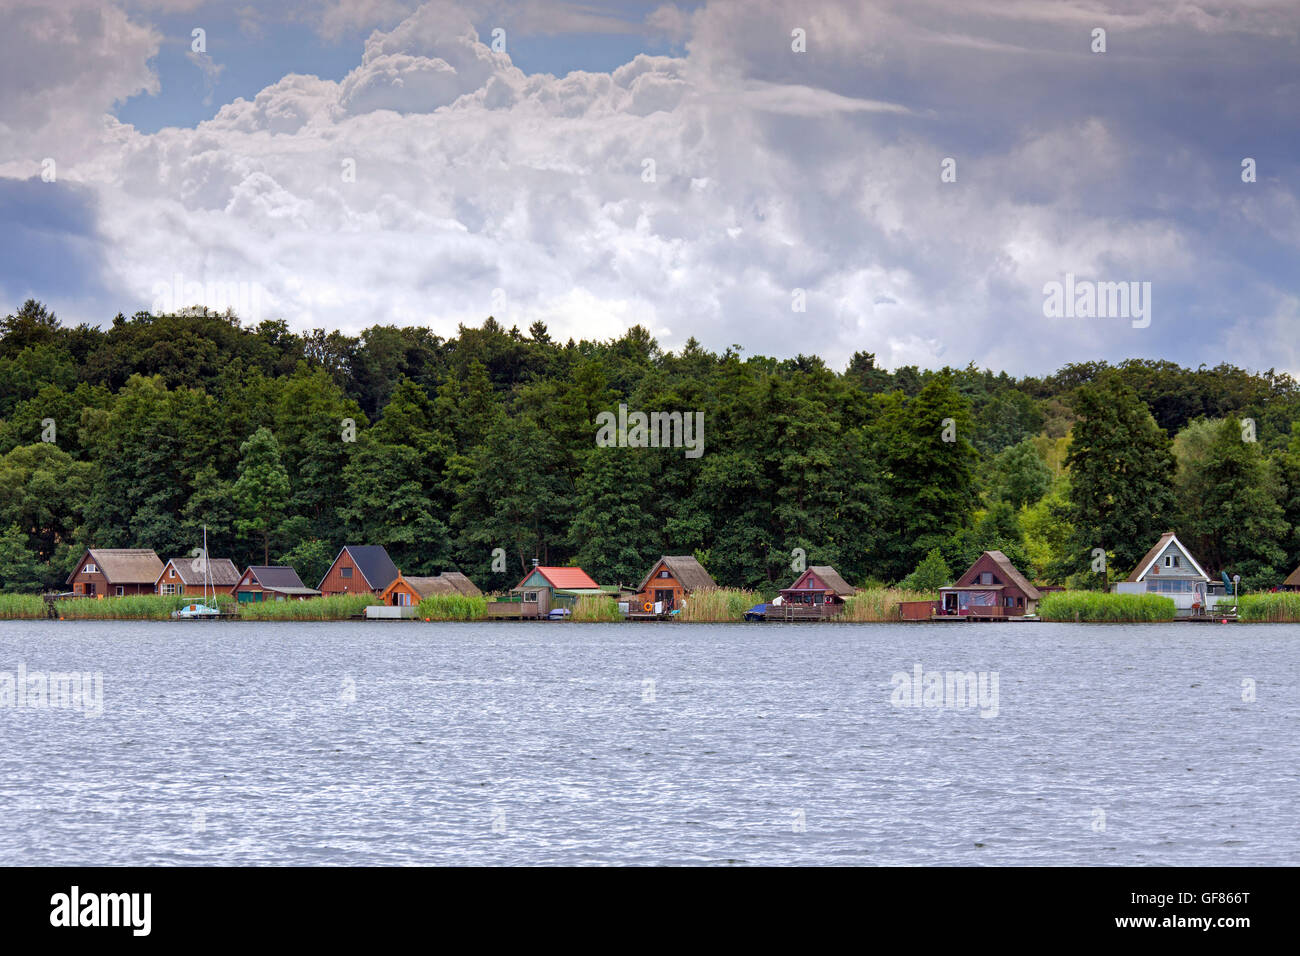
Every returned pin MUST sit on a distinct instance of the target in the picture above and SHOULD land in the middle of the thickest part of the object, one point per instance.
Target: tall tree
(261, 492)
(1122, 474)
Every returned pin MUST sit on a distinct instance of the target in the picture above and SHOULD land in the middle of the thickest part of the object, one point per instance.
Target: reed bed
(453, 607)
(134, 607)
(1280, 607)
(880, 604)
(717, 605)
(596, 608)
(336, 607)
(1097, 607)
(15, 607)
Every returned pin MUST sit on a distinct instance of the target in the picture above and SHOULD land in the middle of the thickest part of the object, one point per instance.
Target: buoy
(647, 606)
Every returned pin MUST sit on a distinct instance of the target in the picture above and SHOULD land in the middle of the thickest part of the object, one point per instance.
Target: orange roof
(566, 578)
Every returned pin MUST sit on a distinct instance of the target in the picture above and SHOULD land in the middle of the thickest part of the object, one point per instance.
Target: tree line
(288, 445)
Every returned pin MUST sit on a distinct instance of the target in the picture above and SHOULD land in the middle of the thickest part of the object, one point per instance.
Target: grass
(336, 607)
(717, 605)
(21, 606)
(1267, 607)
(453, 607)
(1095, 607)
(880, 604)
(593, 608)
(134, 607)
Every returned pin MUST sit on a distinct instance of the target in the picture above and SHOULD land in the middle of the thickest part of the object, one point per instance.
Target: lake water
(406, 743)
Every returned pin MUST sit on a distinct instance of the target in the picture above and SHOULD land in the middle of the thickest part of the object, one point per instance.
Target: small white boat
(200, 611)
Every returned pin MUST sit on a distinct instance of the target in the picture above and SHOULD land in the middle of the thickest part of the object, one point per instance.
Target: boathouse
(990, 588)
(672, 578)
(544, 589)
(817, 593)
(359, 569)
(180, 576)
(408, 591)
(262, 582)
(115, 572)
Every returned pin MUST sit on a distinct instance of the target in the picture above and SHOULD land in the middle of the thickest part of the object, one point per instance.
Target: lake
(412, 743)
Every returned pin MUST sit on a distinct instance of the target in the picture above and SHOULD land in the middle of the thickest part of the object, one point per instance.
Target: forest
(286, 446)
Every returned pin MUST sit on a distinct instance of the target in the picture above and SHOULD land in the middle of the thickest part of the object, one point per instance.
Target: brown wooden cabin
(261, 582)
(672, 578)
(410, 591)
(115, 572)
(359, 569)
(179, 577)
(991, 588)
(816, 594)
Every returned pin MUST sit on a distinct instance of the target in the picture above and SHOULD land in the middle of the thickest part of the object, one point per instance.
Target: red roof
(567, 578)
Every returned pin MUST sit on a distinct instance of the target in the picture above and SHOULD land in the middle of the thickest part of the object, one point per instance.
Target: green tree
(1121, 476)
(616, 534)
(1019, 475)
(927, 467)
(260, 494)
(389, 506)
(20, 571)
(1239, 525)
(930, 575)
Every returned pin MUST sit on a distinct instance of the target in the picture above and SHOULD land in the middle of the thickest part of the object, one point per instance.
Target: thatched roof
(124, 565)
(221, 572)
(688, 572)
(833, 580)
(449, 582)
(462, 584)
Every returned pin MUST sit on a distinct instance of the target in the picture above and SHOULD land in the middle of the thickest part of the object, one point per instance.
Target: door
(666, 596)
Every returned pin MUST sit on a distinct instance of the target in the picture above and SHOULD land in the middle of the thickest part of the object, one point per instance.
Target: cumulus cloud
(436, 182)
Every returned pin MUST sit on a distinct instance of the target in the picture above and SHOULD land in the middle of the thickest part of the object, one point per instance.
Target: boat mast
(205, 565)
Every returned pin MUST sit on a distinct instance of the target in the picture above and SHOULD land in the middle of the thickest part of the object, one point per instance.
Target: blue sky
(253, 58)
(764, 172)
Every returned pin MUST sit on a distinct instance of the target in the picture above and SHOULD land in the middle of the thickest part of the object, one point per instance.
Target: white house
(1169, 570)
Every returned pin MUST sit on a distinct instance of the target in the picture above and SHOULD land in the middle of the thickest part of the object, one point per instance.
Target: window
(90, 569)
(530, 595)
(120, 590)
(168, 589)
(171, 573)
(345, 572)
(663, 574)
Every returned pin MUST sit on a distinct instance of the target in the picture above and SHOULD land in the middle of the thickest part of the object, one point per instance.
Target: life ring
(647, 606)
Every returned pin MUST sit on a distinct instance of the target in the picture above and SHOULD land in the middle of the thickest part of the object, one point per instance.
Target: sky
(902, 177)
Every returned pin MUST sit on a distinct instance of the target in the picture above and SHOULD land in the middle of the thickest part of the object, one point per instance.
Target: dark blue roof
(374, 564)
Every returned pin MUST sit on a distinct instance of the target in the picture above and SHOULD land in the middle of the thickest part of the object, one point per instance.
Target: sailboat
(204, 611)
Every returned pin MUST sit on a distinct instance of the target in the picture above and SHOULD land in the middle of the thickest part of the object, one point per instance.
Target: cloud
(693, 194)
